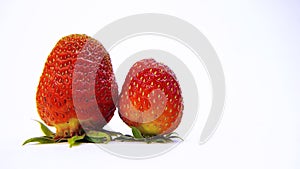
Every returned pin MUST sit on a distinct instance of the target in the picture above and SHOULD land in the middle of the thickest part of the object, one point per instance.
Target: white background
(257, 43)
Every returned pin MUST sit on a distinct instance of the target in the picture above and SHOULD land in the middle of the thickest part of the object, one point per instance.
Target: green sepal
(171, 134)
(40, 140)
(170, 137)
(74, 140)
(160, 140)
(98, 137)
(45, 129)
(136, 133)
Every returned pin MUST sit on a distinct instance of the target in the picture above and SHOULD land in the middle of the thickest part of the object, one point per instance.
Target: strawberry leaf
(45, 129)
(136, 133)
(40, 140)
(74, 140)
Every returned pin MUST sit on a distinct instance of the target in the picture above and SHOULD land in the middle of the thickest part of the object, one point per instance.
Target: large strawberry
(77, 87)
(151, 98)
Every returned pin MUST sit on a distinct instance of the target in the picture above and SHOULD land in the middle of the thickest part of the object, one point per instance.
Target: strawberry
(77, 88)
(151, 98)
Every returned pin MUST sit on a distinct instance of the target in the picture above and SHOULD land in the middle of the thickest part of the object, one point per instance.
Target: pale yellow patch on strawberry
(149, 129)
(68, 129)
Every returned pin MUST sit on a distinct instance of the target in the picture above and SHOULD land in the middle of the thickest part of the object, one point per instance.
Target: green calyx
(101, 137)
(139, 137)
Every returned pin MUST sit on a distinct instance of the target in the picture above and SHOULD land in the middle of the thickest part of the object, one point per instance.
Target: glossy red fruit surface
(77, 86)
(151, 98)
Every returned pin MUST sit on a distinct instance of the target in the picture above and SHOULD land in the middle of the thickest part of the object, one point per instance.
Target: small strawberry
(151, 99)
(77, 87)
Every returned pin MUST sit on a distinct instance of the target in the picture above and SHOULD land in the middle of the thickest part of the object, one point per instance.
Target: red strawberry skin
(77, 86)
(151, 98)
